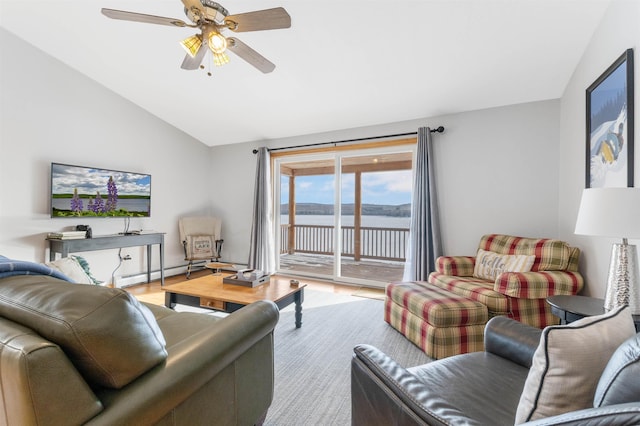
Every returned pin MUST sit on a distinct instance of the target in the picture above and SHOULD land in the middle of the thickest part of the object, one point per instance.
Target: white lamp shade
(609, 212)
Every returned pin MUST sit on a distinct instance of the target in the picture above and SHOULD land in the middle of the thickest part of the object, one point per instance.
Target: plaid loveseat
(518, 295)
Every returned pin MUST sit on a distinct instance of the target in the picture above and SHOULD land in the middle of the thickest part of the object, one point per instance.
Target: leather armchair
(478, 388)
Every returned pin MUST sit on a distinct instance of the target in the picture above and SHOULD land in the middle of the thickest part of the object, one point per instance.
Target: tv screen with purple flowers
(78, 191)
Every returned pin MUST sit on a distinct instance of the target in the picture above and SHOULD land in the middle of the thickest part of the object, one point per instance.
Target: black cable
(113, 274)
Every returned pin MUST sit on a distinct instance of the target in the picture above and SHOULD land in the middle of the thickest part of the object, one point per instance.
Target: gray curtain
(262, 248)
(424, 233)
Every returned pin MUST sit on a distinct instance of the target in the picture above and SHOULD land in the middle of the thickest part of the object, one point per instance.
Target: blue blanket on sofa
(10, 267)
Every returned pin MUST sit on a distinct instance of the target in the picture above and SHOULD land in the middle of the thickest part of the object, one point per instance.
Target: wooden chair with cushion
(200, 237)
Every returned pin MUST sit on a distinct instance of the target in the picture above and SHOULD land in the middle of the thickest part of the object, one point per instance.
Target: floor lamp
(615, 212)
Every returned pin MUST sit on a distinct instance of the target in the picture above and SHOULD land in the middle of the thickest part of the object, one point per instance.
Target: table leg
(169, 300)
(298, 299)
(148, 263)
(162, 260)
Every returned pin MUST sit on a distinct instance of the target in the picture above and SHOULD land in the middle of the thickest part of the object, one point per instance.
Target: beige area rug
(312, 364)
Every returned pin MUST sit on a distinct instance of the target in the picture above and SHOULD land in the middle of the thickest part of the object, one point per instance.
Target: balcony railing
(372, 243)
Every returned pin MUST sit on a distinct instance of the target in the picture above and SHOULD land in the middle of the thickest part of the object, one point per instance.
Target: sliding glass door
(306, 197)
(376, 209)
(344, 215)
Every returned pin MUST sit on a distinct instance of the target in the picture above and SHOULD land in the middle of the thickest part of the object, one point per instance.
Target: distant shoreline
(307, 209)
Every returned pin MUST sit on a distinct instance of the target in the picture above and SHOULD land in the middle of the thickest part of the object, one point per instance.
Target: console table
(104, 242)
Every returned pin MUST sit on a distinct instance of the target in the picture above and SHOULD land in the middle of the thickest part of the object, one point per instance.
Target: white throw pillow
(490, 264)
(72, 269)
(568, 363)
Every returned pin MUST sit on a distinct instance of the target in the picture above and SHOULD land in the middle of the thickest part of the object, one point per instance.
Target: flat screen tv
(78, 191)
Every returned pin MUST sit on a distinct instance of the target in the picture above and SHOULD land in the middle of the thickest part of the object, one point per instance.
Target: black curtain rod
(439, 129)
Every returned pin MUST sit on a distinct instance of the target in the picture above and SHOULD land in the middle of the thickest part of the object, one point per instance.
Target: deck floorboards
(367, 269)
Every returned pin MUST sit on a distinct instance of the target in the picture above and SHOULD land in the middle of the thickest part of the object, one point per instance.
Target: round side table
(573, 308)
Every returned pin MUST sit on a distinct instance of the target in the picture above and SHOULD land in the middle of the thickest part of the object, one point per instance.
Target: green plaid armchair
(446, 314)
(518, 295)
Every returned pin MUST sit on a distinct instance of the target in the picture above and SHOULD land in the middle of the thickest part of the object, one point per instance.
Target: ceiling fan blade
(269, 19)
(141, 17)
(192, 63)
(249, 55)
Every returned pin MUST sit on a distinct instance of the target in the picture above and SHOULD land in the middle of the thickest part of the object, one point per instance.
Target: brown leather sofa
(82, 354)
(485, 388)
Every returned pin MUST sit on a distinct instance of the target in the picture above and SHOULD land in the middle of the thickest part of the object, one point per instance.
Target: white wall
(497, 171)
(50, 113)
(517, 169)
(618, 31)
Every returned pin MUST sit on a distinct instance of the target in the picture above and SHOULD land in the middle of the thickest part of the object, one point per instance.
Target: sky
(384, 188)
(66, 178)
(607, 90)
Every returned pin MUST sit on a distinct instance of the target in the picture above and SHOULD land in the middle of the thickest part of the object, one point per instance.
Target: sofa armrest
(244, 337)
(458, 266)
(619, 414)
(538, 285)
(511, 339)
(35, 372)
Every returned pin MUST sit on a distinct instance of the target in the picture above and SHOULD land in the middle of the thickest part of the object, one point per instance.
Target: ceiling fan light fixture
(218, 45)
(217, 42)
(210, 18)
(220, 59)
(192, 44)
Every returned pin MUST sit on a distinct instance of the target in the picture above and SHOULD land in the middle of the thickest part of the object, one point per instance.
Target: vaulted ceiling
(342, 64)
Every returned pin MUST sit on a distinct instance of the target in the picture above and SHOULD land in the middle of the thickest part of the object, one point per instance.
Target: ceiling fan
(212, 20)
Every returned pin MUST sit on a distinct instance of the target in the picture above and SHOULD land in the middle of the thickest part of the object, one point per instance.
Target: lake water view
(368, 221)
(129, 204)
(383, 237)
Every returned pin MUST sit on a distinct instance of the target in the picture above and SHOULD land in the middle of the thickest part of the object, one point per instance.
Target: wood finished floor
(153, 293)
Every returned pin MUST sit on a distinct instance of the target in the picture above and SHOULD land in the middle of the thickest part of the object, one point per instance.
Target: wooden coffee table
(210, 292)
